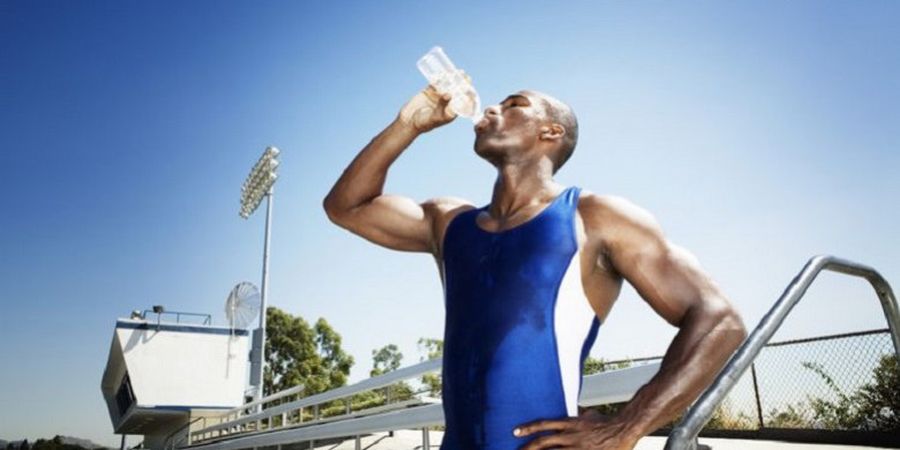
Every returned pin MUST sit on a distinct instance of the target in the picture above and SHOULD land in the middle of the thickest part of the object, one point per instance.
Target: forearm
(364, 178)
(707, 338)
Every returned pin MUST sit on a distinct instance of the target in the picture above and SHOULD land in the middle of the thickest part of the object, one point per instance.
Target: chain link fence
(848, 382)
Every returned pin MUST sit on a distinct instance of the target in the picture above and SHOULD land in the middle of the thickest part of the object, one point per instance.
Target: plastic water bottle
(447, 79)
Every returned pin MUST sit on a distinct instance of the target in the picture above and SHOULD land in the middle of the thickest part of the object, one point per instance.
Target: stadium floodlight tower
(260, 184)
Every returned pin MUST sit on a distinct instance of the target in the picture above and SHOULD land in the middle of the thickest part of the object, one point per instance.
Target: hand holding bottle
(427, 110)
(447, 79)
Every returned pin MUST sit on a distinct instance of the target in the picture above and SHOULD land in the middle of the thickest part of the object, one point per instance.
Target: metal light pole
(259, 184)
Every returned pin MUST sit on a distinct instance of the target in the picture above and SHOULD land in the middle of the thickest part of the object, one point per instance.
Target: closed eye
(516, 100)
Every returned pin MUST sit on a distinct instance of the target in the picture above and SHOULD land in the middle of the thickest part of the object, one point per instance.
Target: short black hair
(561, 113)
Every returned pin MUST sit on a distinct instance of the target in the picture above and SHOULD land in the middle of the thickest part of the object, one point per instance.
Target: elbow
(732, 325)
(332, 210)
(719, 317)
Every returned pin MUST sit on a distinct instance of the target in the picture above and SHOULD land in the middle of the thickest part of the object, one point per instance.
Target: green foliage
(385, 360)
(879, 402)
(724, 418)
(299, 354)
(434, 348)
(594, 365)
(842, 414)
(56, 443)
(793, 416)
(873, 406)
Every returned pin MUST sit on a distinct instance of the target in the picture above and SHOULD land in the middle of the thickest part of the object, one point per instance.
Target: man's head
(527, 125)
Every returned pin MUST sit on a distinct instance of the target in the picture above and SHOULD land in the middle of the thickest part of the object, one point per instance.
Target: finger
(449, 113)
(432, 93)
(541, 425)
(552, 441)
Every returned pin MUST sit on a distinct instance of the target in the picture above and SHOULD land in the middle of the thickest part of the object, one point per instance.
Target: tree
(298, 354)
(880, 401)
(385, 360)
(842, 414)
(792, 416)
(434, 348)
(873, 406)
(24, 445)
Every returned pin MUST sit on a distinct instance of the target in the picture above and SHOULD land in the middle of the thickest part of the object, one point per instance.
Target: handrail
(224, 423)
(415, 402)
(341, 392)
(169, 440)
(280, 394)
(207, 318)
(684, 435)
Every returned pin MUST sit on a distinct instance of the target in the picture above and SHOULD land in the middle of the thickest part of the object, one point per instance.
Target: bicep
(667, 276)
(392, 221)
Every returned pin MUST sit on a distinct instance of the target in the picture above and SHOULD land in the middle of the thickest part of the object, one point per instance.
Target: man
(529, 278)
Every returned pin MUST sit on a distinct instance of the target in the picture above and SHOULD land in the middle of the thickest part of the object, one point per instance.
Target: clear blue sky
(759, 134)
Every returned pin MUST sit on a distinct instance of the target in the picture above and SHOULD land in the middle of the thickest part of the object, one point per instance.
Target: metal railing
(173, 440)
(684, 435)
(242, 424)
(603, 388)
(180, 436)
(207, 318)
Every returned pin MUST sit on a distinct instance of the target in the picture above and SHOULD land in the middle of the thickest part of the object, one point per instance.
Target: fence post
(756, 394)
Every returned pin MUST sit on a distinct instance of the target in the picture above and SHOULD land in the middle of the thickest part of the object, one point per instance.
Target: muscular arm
(670, 279)
(356, 202)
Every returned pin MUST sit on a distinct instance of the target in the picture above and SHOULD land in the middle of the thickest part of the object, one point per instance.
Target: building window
(125, 395)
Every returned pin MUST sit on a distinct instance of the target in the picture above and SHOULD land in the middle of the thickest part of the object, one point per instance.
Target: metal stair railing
(227, 416)
(684, 435)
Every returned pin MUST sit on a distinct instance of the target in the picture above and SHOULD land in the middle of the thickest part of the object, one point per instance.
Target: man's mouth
(482, 124)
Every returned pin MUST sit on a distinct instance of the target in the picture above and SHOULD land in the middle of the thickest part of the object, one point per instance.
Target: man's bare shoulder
(441, 206)
(606, 216)
(447, 202)
(441, 210)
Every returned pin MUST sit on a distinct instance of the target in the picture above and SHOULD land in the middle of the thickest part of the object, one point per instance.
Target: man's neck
(521, 188)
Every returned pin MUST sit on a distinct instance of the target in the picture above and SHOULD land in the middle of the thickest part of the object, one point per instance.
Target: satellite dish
(242, 305)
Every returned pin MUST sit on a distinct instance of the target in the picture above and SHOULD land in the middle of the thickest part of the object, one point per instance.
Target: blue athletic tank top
(518, 326)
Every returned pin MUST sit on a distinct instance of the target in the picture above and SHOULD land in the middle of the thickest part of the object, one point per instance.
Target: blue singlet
(518, 326)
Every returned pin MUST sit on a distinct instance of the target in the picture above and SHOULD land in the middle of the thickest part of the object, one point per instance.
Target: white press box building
(161, 376)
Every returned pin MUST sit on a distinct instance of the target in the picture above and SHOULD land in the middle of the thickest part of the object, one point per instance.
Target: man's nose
(492, 110)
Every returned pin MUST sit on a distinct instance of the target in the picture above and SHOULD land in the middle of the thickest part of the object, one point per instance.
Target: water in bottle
(447, 79)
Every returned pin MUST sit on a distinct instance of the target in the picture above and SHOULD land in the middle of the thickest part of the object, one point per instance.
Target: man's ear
(552, 132)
